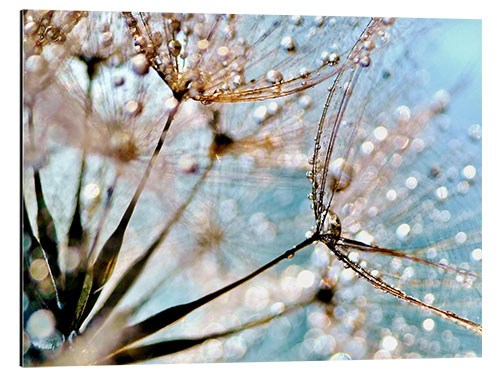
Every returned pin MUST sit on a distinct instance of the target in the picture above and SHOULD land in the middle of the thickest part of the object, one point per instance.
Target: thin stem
(159, 349)
(107, 258)
(171, 315)
(382, 285)
(135, 269)
(107, 206)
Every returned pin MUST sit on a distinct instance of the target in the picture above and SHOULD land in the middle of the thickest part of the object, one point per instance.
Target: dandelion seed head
(219, 59)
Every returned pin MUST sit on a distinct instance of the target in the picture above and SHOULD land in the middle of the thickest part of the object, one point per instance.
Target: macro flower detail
(216, 188)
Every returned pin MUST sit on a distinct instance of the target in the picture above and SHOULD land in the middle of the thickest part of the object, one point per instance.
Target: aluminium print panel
(235, 188)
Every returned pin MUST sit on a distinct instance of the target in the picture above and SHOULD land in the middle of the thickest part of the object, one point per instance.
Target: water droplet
(41, 329)
(260, 113)
(365, 61)
(367, 147)
(273, 108)
(319, 21)
(469, 172)
(274, 76)
(403, 113)
(175, 47)
(368, 45)
(171, 103)
(391, 195)
(340, 174)
(222, 51)
(428, 324)
(305, 279)
(460, 237)
(474, 132)
(389, 343)
(36, 64)
(333, 58)
(463, 187)
(202, 44)
(38, 270)
(429, 298)
(238, 80)
(91, 191)
(119, 81)
(332, 224)
(140, 64)
(388, 20)
(380, 133)
(133, 107)
(296, 20)
(304, 72)
(365, 237)
(305, 101)
(441, 193)
(441, 100)
(417, 145)
(411, 182)
(340, 357)
(403, 231)
(288, 44)
(477, 254)
(188, 163)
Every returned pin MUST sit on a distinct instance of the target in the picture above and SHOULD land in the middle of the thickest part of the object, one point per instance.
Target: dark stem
(135, 269)
(111, 248)
(159, 349)
(171, 315)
